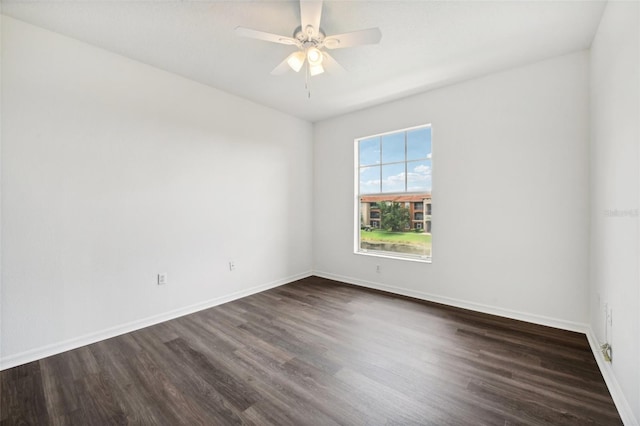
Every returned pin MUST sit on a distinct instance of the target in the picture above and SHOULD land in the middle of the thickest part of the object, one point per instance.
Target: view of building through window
(394, 193)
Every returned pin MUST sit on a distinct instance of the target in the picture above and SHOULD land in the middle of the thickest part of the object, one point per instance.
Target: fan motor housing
(305, 39)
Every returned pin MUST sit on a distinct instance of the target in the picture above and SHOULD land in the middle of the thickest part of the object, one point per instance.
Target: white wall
(113, 171)
(510, 197)
(0, 182)
(615, 188)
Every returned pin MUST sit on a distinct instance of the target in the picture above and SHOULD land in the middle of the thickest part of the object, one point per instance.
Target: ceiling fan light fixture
(314, 56)
(315, 69)
(296, 60)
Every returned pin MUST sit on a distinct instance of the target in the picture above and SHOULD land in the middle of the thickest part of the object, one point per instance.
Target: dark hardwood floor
(317, 352)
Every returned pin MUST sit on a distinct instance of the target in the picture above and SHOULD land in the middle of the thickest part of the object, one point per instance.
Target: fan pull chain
(307, 80)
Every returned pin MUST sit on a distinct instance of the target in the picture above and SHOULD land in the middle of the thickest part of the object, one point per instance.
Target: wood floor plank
(22, 398)
(318, 352)
(290, 396)
(115, 359)
(98, 406)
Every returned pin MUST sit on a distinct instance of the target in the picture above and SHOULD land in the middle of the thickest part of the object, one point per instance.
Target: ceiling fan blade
(261, 35)
(310, 14)
(281, 68)
(286, 65)
(355, 38)
(332, 65)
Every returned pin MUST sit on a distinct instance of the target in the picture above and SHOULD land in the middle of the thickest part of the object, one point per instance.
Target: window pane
(369, 180)
(411, 236)
(419, 144)
(393, 148)
(393, 178)
(419, 176)
(369, 152)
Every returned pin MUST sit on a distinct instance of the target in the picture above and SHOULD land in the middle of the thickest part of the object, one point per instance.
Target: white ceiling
(425, 44)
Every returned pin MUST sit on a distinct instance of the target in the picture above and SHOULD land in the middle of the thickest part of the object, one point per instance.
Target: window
(393, 186)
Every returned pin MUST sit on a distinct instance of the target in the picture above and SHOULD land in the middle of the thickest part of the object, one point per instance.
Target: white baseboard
(478, 307)
(76, 342)
(626, 413)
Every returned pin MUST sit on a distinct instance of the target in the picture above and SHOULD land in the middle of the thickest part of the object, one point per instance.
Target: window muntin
(394, 175)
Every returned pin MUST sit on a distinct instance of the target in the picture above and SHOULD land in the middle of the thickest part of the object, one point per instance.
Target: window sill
(395, 256)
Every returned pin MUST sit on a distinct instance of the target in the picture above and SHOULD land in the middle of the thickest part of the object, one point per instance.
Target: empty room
(320, 213)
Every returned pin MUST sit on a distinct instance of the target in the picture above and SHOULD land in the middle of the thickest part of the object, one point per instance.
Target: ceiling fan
(312, 42)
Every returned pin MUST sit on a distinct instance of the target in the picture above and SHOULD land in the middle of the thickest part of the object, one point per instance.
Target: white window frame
(356, 226)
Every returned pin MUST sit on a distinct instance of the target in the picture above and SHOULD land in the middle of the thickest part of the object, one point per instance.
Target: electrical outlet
(163, 278)
(607, 352)
(232, 265)
(378, 269)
